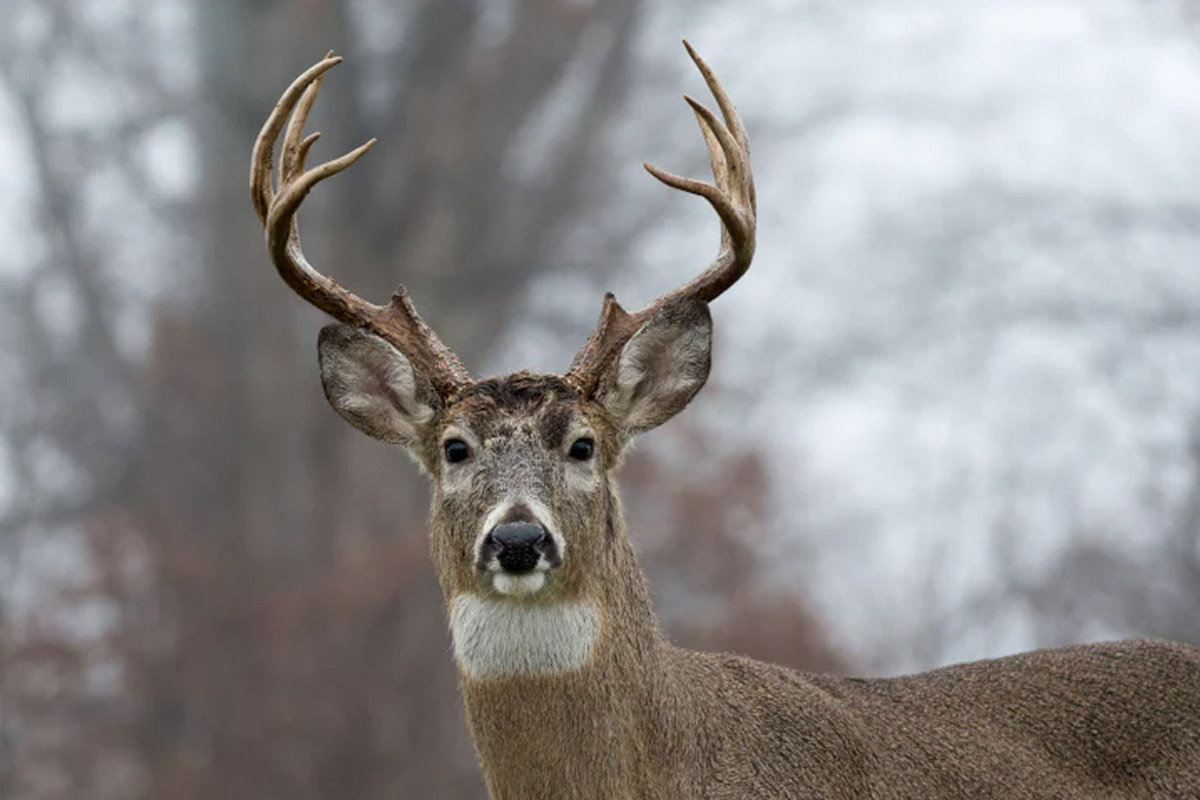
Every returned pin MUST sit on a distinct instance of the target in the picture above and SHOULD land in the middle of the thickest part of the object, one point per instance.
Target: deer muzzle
(519, 546)
(517, 551)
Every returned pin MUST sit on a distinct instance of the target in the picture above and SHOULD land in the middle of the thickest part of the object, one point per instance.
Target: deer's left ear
(660, 368)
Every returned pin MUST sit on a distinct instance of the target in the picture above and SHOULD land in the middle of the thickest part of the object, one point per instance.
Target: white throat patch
(500, 637)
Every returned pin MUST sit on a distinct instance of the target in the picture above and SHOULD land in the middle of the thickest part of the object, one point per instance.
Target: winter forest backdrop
(955, 409)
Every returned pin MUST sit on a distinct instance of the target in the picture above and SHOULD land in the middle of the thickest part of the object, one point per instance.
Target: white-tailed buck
(570, 688)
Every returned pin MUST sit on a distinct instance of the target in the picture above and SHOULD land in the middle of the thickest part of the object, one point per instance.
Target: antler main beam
(731, 196)
(397, 322)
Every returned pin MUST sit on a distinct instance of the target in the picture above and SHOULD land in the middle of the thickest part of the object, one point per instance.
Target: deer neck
(583, 678)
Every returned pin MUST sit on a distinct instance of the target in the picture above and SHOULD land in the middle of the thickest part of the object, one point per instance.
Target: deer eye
(456, 450)
(581, 449)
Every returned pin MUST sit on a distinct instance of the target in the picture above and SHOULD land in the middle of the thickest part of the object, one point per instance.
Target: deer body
(712, 726)
(1066, 724)
(570, 688)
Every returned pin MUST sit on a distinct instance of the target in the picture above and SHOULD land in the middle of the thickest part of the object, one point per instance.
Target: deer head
(524, 503)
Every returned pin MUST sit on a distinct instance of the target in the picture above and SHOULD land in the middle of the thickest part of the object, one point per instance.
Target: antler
(397, 322)
(732, 198)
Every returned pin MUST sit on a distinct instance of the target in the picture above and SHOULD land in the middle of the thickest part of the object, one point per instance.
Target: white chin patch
(494, 636)
(518, 585)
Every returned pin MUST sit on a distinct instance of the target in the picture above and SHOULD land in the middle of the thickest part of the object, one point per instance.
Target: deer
(570, 687)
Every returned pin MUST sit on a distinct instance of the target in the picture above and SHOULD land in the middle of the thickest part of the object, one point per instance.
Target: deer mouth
(522, 585)
(523, 581)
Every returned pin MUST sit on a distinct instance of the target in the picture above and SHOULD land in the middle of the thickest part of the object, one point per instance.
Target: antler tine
(295, 144)
(397, 322)
(723, 102)
(732, 197)
(261, 192)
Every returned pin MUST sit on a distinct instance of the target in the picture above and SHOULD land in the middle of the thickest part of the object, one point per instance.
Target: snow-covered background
(974, 312)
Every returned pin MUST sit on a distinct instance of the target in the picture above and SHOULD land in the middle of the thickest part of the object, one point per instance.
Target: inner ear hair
(661, 367)
(374, 387)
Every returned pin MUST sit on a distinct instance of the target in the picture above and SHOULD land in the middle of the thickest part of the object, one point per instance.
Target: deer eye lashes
(582, 449)
(456, 450)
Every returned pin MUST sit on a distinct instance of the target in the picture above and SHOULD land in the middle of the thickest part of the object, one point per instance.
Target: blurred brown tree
(248, 610)
(700, 518)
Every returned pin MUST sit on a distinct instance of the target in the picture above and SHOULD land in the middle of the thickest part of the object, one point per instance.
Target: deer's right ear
(373, 386)
(660, 369)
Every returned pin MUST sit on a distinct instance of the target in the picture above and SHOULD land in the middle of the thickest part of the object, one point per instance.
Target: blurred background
(955, 409)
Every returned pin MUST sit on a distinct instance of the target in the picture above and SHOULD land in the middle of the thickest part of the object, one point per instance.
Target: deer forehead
(519, 409)
(519, 426)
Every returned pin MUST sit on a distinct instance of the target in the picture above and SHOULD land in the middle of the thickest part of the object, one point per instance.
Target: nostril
(518, 534)
(519, 545)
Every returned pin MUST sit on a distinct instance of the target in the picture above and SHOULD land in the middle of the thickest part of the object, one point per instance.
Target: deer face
(524, 502)
(521, 487)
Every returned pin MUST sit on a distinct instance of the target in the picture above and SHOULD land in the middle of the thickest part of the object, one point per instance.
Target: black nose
(518, 543)
(518, 534)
